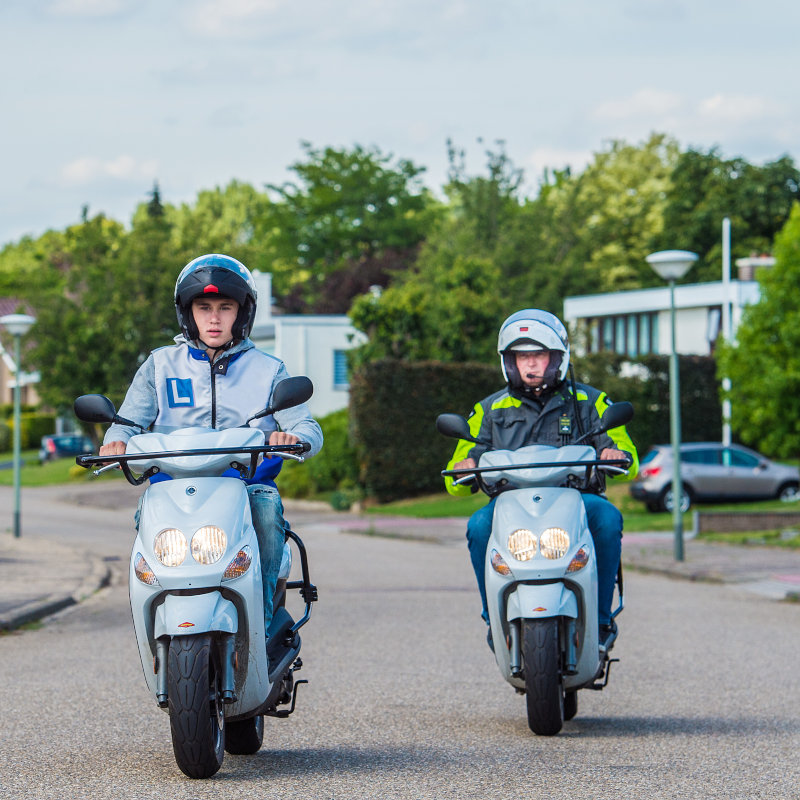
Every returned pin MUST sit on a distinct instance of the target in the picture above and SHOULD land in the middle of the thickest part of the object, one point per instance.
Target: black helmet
(218, 276)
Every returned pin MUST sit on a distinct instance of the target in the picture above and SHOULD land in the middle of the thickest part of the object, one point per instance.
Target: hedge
(394, 404)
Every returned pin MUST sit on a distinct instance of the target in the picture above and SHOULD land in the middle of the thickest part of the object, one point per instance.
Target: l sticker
(179, 393)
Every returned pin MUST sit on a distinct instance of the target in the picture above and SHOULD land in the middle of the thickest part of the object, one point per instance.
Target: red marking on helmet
(524, 329)
(210, 288)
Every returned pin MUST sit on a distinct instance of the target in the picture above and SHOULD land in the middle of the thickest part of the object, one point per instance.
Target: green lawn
(62, 470)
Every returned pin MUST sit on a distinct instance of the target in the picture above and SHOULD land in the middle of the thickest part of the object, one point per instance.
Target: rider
(539, 406)
(215, 377)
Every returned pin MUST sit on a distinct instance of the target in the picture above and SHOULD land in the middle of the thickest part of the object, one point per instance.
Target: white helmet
(533, 329)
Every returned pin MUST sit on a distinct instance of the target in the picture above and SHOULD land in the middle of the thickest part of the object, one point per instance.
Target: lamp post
(17, 325)
(671, 265)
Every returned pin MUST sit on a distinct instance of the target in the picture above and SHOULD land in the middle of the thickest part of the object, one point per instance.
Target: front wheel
(668, 499)
(196, 715)
(788, 492)
(544, 689)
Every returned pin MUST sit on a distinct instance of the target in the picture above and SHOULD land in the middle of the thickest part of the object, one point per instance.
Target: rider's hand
(467, 463)
(611, 454)
(281, 437)
(113, 449)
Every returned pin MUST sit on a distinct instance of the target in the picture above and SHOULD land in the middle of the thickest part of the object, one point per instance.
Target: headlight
(554, 543)
(522, 544)
(209, 544)
(170, 547)
(143, 572)
(239, 565)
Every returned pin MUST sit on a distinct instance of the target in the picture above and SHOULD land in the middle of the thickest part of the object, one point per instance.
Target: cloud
(122, 168)
(737, 109)
(88, 8)
(645, 102)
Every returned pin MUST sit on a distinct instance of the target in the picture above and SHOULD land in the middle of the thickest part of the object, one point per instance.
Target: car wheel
(667, 499)
(788, 491)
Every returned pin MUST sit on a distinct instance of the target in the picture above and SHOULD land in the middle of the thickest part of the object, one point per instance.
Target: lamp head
(17, 324)
(671, 265)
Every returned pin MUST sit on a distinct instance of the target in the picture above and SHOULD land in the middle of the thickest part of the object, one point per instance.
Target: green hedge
(32, 427)
(394, 404)
(393, 408)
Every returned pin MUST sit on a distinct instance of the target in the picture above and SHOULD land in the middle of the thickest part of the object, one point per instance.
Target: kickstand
(284, 712)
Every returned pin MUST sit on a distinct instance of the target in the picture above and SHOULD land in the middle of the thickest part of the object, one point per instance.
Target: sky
(101, 98)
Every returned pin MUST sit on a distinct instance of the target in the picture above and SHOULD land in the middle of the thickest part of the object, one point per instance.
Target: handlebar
(122, 461)
(609, 462)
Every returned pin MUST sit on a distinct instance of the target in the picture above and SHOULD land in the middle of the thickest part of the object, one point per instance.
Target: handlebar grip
(305, 447)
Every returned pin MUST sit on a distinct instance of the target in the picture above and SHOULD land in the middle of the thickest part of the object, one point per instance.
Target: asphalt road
(405, 700)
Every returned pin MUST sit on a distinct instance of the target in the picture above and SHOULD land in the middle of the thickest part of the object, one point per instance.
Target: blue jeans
(605, 525)
(266, 509)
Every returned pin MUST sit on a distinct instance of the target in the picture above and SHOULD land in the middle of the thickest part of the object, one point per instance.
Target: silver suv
(712, 472)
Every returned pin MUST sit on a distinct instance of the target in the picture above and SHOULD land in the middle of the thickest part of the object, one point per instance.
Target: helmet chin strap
(216, 350)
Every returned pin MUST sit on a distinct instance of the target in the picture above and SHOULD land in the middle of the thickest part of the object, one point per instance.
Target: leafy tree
(705, 188)
(764, 367)
(351, 214)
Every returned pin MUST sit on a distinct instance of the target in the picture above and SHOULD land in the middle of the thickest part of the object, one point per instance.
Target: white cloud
(122, 168)
(645, 102)
(88, 8)
(736, 109)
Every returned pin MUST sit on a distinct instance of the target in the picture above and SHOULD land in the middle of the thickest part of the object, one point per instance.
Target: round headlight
(170, 547)
(522, 544)
(209, 544)
(554, 542)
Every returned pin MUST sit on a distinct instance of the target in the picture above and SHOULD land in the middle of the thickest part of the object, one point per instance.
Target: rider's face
(531, 365)
(214, 317)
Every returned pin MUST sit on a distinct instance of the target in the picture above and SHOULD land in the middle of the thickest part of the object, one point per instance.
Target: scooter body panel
(197, 593)
(542, 587)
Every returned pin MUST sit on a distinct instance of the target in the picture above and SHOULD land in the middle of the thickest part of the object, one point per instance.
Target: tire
(570, 704)
(665, 500)
(244, 738)
(788, 491)
(196, 715)
(544, 690)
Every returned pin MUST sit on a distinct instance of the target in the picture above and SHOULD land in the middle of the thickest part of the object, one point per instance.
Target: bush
(5, 437)
(32, 427)
(393, 407)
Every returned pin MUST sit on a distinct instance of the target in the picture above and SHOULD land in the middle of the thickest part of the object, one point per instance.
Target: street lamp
(17, 325)
(671, 265)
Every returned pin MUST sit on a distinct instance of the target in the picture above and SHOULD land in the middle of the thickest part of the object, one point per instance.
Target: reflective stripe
(462, 449)
(620, 437)
(507, 401)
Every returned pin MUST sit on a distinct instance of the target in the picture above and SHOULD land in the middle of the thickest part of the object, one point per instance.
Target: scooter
(195, 583)
(541, 572)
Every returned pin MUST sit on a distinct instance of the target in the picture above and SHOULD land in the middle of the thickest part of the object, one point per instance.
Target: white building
(309, 344)
(637, 322)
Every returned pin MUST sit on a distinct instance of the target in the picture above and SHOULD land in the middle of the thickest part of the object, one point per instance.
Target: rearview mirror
(454, 426)
(287, 393)
(94, 408)
(616, 414)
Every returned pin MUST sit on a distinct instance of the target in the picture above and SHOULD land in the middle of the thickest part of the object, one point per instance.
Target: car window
(740, 459)
(651, 454)
(705, 456)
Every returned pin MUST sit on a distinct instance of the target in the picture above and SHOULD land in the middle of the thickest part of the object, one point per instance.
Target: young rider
(214, 377)
(539, 406)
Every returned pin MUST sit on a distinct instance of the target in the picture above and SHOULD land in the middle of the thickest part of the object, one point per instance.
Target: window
(627, 334)
(736, 458)
(340, 378)
(700, 457)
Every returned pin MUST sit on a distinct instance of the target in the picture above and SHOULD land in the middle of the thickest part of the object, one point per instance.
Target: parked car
(712, 472)
(61, 445)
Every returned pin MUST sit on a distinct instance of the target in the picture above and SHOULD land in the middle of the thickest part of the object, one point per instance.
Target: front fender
(532, 601)
(180, 615)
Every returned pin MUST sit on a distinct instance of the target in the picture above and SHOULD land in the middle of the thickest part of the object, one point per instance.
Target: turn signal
(143, 572)
(499, 565)
(240, 564)
(579, 560)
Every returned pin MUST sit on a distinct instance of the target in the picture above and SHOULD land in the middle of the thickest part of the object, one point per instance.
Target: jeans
(266, 509)
(605, 525)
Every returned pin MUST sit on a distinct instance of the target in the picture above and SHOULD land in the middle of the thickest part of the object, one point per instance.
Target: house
(8, 367)
(309, 344)
(637, 322)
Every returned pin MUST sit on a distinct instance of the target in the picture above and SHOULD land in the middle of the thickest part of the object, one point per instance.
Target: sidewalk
(36, 581)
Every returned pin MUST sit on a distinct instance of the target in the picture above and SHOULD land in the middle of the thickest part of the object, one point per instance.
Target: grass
(62, 470)
(637, 517)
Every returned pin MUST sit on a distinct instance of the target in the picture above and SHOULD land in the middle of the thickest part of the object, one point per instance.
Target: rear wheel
(667, 499)
(544, 690)
(244, 738)
(196, 715)
(788, 492)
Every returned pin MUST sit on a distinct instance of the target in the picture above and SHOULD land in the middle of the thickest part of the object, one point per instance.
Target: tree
(350, 214)
(764, 367)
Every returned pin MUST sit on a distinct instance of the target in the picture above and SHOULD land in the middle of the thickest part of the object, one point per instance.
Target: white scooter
(541, 573)
(195, 584)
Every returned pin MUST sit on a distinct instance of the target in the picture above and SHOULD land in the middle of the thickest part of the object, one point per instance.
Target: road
(404, 699)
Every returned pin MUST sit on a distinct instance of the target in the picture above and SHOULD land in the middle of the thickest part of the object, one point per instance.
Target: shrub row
(393, 406)
(32, 427)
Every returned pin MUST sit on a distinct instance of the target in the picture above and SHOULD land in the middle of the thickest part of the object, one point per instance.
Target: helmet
(532, 329)
(219, 276)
